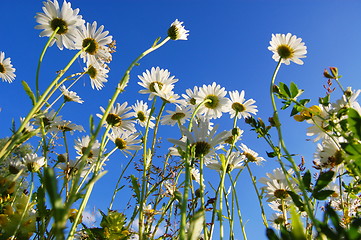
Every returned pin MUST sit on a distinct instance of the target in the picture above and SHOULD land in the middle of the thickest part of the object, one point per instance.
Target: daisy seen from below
(180, 115)
(98, 74)
(202, 140)
(235, 161)
(216, 101)
(70, 96)
(81, 144)
(65, 126)
(251, 155)
(156, 77)
(328, 155)
(116, 118)
(190, 96)
(7, 72)
(240, 107)
(142, 114)
(177, 31)
(125, 140)
(97, 42)
(65, 19)
(287, 47)
(33, 162)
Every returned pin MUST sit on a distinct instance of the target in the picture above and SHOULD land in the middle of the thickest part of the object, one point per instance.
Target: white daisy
(320, 124)
(71, 168)
(168, 96)
(66, 19)
(277, 220)
(235, 161)
(33, 162)
(65, 126)
(156, 77)
(15, 166)
(117, 117)
(239, 106)
(217, 101)
(125, 140)
(190, 96)
(196, 176)
(28, 126)
(48, 118)
(177, 31)
(277, 186)
(142, 113)
(97, 42)
(328, 155)
(180, 115)
(288, 47)
(201, 140)
(98, 74)
(6, 69)
(70, 96)
(81, 144)
(251, 155)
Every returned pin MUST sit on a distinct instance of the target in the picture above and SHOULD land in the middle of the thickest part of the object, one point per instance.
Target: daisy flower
(15, 166)
(240, 107)
(70, 96)
(217, 101)
(180, 115)
(328, 155)
(201, 140)
(33, 162)
(236, 161)
(81, 144)
(320, 124)
(65, 126)
(288, 47)
(251, 155)
(71, 168)
(98, 74)
(6, 69)
(97, 42)
(117, 117)
(190, 96)
(28, 126)
(277, 186)
(277, 220)
(168, 96)
(65, 19)
(142, 113)
(196, 176)
(177, 31)
(156, 77)
(125, 140)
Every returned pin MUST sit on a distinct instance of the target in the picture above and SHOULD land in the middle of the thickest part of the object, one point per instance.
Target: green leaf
(323, 180)
(29, 92)
(325, 100)
(353, 149)
(294, 90)
(196, 226)
(298, 231)
(354, 121)
(271, 235)
(297, 200)
(322, 195)
(135, 187)
(307, 180)
(284, 90)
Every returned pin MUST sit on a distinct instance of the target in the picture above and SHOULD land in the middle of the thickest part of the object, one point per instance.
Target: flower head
(33, 162)
(98, 74)
(65, 19)
(6, 69)
(216, 101)
(241, 107)
(156, 80)
(96, 42)
(180, 115)
(177, 31)
(81, 144)
(117, 117)
(142, 114)
(125, 140)
(288, 48)
(251, 155)
(70, 96)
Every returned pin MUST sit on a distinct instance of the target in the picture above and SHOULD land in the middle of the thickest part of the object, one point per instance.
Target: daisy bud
(62, 157)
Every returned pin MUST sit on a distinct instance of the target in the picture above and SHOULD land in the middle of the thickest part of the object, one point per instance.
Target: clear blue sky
(227, 44)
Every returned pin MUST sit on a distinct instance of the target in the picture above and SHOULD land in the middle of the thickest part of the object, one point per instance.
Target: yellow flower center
(201, 148)
(213, 103)
(120, 143)
(285, 51)
(92, 45)
(92, 71)
(59, 23)
(114, 120)
(238, 107)
(152, 86)
(2, 68)
(141, 116)
(281, 193)
(178, 116)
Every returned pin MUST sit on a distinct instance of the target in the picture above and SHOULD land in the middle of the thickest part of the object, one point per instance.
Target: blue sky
(227, 44)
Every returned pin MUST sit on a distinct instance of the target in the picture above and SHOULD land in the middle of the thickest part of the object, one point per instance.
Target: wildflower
(202, 141)
(177, 31)
(65, 126)
(82, 144)
(217, 102)
(196, 176)
(180, 115)
(328, 155)
(320, 123)
(277, 220)
(66, 20)
(98, 74)
(277, 186)
(156, 77)
(125, 140)
(70, 96)
(6, 69)
(251, 155)
(168, 96)
(287, 48)
(28, 126)
(33, 162)
(15, 166)
(239, 107)
(96, 42)
(72, 167)
(116, 118)
(190, 96)
(235, 161)
(142, 114)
